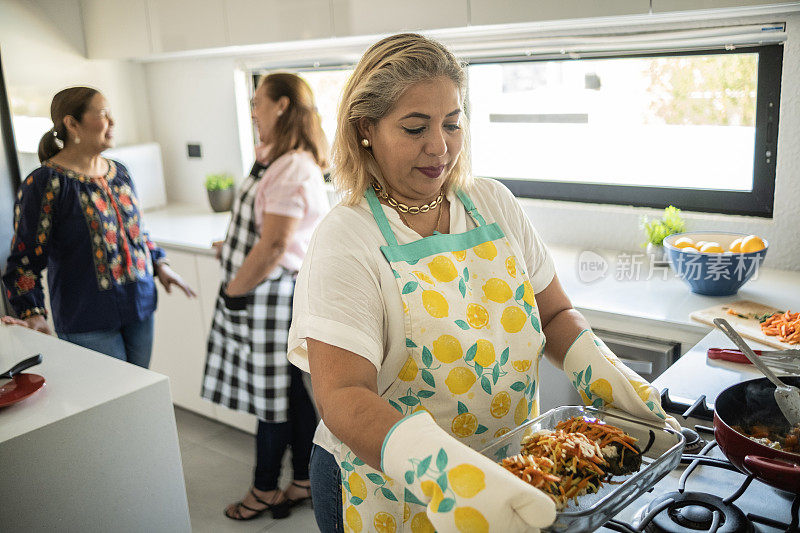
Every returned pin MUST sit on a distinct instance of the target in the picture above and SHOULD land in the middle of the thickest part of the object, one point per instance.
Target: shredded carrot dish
(572, 460)
(786, 326)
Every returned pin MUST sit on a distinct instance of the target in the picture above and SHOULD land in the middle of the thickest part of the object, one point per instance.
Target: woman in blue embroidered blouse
(77, 215)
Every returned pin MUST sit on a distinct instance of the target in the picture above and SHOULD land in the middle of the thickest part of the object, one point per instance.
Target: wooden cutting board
(746, 327)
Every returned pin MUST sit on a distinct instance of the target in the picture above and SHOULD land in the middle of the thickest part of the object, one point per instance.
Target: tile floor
(218, 467)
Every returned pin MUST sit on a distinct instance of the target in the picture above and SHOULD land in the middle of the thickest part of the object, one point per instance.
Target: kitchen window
(695, 129)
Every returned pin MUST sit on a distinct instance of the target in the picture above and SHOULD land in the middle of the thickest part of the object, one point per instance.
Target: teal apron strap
(470, 207)
(380, 217)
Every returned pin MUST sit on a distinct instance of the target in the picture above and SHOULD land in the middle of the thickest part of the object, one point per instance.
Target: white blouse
(346, 294)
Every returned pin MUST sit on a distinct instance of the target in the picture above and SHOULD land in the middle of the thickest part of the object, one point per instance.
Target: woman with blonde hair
(276, 210)
(421, 312)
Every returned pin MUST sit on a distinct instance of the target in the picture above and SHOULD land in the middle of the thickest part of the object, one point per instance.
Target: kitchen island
(96, 449)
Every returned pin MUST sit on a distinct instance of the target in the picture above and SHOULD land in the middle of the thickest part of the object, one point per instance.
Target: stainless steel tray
(593, 510)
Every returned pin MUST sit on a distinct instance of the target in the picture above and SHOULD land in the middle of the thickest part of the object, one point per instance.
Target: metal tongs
(786, 396)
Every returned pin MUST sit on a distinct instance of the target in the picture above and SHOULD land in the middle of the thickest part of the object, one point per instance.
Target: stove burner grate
(697, 511)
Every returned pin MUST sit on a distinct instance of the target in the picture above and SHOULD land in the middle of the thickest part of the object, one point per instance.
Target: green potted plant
(220, 191)
(658, 230)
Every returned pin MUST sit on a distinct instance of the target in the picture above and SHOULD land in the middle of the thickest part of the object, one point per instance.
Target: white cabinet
(512, 11)
(266, 21)
(181, 332)
(180, 25)
(179, 346)
(367, 17)
(116, 29)
(667, 6)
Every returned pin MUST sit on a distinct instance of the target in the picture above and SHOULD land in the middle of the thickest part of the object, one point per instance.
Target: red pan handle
(766, 467)
(734, 356)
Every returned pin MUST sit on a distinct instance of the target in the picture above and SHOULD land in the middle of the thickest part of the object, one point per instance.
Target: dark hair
(69, 102)
(300, 126)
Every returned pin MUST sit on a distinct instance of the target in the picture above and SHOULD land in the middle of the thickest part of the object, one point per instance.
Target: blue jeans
(132, 342)
(326, 490)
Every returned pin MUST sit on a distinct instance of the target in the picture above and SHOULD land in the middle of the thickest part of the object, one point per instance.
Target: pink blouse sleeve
(281, 190)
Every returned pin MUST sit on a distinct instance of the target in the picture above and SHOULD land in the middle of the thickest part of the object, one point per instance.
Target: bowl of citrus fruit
(715, 263)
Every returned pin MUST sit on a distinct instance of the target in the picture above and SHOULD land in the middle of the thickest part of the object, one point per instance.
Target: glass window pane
(672, 121)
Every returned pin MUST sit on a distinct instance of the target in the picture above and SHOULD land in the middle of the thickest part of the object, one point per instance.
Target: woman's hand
(36, 323)
(169, 277)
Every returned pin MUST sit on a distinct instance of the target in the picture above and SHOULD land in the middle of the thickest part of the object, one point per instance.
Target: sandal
(294, 503)
(279, 510)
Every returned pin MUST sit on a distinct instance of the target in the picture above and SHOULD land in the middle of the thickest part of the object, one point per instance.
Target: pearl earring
(77, 140)
(280, 112)
(365, 143)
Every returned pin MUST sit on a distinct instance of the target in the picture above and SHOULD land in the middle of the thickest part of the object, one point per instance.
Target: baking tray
(593, 510)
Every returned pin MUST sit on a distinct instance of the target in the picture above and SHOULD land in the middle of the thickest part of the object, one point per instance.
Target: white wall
(43, 51)
(193, 100)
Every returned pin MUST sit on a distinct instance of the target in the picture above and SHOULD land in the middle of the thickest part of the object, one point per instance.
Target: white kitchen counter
(645, 301)
(95, 450)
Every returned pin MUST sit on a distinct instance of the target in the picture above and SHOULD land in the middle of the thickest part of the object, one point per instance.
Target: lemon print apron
(474, 342)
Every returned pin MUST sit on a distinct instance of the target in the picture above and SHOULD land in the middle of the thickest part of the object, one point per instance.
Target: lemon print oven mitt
(604, 381)
(461, 489)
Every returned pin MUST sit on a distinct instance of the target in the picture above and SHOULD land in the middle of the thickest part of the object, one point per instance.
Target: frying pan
(747, 403)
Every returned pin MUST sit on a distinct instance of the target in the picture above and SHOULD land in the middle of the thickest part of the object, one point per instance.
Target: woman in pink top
(276, 210)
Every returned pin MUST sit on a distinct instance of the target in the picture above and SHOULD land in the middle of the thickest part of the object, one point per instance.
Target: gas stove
(706, 492)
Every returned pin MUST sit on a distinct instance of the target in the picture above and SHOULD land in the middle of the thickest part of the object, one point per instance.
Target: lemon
(406, 512)
(752, 243)
(683, 242)
(736, 246)
(464, 425)
(502, 431)
(384, 523)
(643, 389)
(470, 520)
(460, 255)
(435, 304)
(584, 398)
(521, 365)
(497, 290)
(344, 495)
(422, 276)
(447, 349)
(484, 355)
(357, 486)
(443, 269)
(500, 405)
(528, 296)
(486, 250)
(466, 480)
(353, 519)
(421, 407)
(513, 319)
(521, 412)
(712, 248)
(421, 524)
(477, 316)
(409, 370)
(434, 492)
(459, 380)
(602, 388)
(511, 266)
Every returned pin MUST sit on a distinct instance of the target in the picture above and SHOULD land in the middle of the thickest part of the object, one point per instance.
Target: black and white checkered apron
(246, 367)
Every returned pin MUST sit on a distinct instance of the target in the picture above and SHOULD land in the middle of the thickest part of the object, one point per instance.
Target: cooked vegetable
(574, 459)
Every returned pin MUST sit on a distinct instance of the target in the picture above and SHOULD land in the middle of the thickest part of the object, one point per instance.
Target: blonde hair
(300, 126)
(384, 72)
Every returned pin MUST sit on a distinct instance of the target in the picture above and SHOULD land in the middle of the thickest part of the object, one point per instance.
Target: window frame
(757, 202)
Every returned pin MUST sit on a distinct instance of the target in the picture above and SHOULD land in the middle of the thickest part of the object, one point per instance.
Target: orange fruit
(683, 242)
(691, 250)
(712, 248)
(736, 246)
(752, 243)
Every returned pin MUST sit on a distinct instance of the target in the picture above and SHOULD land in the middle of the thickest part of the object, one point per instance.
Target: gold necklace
(403, 208)
(438, 219)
